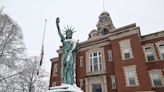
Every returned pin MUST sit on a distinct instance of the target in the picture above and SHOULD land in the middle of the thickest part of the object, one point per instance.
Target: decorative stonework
(104, 22)
(93, 34)
(151, 45)
(129, 68)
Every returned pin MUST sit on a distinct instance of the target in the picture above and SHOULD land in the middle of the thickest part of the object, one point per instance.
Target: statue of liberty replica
(68, 61)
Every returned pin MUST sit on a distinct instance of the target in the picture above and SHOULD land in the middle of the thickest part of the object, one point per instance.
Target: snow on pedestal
(65, 88)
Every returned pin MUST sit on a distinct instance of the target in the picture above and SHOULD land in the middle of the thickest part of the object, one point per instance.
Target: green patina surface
(68, 55)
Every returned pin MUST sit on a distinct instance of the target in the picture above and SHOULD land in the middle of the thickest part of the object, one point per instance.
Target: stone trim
(81, 83)
(161, 76)
(124, 27)
(157, 46)
(124, 33)
(59, 51)
(96, 80)
(153, 36)
(122, 44)
(110, 52)
(96, 40)
(151, 45)
(94, 46)
(101, 50)
(128, 68)
(54, 59)
(113, 79)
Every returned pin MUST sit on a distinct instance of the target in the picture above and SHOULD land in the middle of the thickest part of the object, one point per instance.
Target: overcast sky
(82, 15)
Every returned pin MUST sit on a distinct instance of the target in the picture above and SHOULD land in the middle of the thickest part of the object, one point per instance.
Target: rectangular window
(156, 79)
(81, 61)
(96, 88)
(110, 55)
(81, 83)
(95, 61)
(149, 54)
(126, 50)
(131, 76)
(113, 80)
(55, 69)
(161, 50)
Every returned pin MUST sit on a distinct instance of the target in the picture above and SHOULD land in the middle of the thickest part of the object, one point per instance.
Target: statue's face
(68, 34)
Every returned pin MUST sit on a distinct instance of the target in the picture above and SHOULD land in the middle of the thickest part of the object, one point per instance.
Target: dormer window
(105, 31)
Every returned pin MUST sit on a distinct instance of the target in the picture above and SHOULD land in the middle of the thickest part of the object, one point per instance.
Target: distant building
(117, 60)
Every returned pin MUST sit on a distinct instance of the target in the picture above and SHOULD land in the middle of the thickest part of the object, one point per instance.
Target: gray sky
(82, 15)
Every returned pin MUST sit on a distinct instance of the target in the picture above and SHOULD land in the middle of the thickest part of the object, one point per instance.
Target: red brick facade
(112, 40)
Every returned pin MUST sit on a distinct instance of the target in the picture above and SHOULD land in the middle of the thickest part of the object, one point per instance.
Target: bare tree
(28, 78)
(11, 51)
(17, 72)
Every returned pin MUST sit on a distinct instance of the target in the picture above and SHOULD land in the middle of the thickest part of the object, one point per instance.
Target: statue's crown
(69, 30)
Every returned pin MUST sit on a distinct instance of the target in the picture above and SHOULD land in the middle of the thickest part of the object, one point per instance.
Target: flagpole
(44, 32)
(41, 56)
(103, 5)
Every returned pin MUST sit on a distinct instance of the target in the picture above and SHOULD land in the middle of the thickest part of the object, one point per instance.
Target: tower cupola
(105, 24)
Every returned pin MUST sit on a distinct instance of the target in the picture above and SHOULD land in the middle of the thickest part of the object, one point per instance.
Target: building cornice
(95, 44)
(123, 33)
(54, 59)
(153, 36)
(123, 28)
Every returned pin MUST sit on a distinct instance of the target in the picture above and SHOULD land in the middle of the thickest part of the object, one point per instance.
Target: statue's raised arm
(59, 31)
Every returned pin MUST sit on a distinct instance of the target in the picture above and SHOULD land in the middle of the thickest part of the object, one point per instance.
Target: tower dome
(105, 24)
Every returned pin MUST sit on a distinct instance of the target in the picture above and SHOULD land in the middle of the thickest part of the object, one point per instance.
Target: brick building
(117, 60)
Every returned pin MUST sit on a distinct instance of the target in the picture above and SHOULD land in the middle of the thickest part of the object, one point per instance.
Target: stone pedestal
(65, 88)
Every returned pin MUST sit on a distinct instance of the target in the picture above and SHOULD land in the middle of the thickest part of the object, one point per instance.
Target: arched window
(105, 31)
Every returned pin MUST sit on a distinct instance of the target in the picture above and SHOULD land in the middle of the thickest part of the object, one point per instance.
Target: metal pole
(41, 57)
(1, 10)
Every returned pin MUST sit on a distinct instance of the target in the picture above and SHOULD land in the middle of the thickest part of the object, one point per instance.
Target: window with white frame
(156, 78)
(161, 50)
(81, 61)
(149, 54)
(110, 55)
(81, 83)
(96, 88)
(126, 51)
(131, 76)
(55, 69)
(113, 80)
(95, 61)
